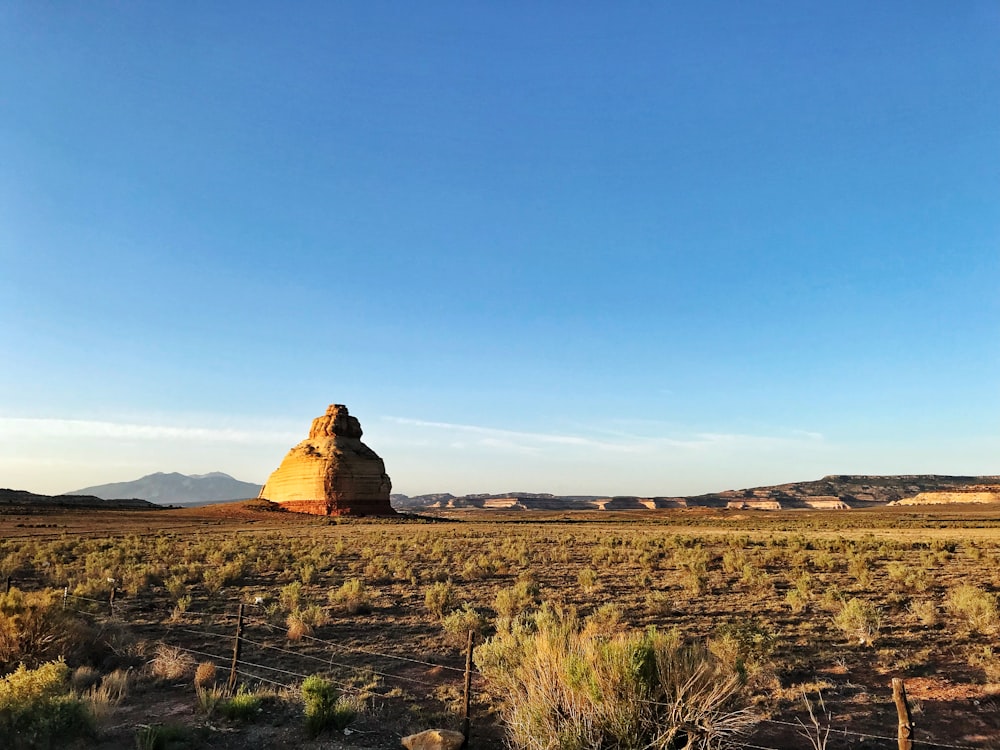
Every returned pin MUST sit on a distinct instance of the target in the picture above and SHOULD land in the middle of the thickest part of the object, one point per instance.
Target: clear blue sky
(633, 248)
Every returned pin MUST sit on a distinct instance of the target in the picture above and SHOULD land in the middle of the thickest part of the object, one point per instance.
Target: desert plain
(817, 610)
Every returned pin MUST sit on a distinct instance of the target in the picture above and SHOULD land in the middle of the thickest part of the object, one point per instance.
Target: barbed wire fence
(262, 653)
(252, 667)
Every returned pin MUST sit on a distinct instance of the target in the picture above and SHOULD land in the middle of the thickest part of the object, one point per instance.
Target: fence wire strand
(368, 652)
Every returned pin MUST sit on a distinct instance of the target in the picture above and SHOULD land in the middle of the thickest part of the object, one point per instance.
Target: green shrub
(38, 708)
(159, 736)
(587, 578)
(290, 596)
(562, 687)
(325, 707)
(512, 601)
(243, 706)
(352, 595)
(460, 622)
(859, 619)
(440, 598)
(744, 646)
(33, 627)
(978, 608)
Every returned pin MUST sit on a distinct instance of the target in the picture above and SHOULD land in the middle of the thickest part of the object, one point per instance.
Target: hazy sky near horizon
(622, 248)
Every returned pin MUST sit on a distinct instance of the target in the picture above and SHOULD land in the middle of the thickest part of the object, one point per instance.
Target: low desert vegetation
(585, 632)
(325, 706)
(563, 684)
(39, 709)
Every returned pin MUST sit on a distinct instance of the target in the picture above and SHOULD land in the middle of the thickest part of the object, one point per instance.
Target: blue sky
(629, 248)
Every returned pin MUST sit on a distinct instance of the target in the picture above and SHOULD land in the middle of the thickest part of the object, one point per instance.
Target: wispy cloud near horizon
(525, 441)
(35, 428)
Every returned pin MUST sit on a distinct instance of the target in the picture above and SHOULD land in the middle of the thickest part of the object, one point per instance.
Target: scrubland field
(640, 629)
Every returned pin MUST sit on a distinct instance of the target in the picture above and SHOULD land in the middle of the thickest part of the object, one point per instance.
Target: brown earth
(900, 559)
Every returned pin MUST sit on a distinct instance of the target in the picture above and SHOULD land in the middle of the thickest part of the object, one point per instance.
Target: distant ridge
(176, 489)
(17, 501)
(833, 492)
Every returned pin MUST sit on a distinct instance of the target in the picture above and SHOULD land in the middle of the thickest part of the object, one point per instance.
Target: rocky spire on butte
(332, 473)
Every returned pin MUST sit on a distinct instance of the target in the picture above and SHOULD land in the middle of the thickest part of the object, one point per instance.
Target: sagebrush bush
(34, 627)
(37, 708)
(352, 596)
(440, 598)
(860, 620)
(562, 687)
(325, 708)
(976, 608)
(587, 578)
(461, 622)
(512, 601)
(745, 646)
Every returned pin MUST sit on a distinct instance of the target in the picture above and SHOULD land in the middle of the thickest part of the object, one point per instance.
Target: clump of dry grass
(84, 678)
(204, 675)
(102, 699)
(298, 628)
(171, 663)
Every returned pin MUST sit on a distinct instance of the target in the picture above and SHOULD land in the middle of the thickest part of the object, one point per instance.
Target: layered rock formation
(975, 494)
(332, 473)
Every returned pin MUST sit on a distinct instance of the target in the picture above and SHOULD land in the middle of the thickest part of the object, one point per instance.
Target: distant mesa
(22, 501)
(974, 494)
(332, 473)
(834, 492)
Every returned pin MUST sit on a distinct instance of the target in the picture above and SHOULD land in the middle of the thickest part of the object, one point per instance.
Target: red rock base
(334, 508)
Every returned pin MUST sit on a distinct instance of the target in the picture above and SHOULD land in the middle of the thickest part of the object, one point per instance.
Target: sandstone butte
(332, 473)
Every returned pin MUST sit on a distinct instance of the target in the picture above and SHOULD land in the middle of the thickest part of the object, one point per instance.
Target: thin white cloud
(21, 428)
(495, 437)
(524, 442)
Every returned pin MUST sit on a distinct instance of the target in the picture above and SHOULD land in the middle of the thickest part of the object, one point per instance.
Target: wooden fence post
(8, 585)
(904, 735)
(468, 692)
(111, 602)
(237, 646)
(65, 595)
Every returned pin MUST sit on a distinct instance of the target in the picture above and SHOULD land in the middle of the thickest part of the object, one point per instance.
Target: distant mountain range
(176, 489)
(837, 491)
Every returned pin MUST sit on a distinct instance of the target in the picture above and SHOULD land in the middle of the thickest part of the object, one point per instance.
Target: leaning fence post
(468, 691)
(904, 735)
(231, 685)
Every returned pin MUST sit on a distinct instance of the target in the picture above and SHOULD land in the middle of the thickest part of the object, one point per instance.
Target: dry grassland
(817, 605)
